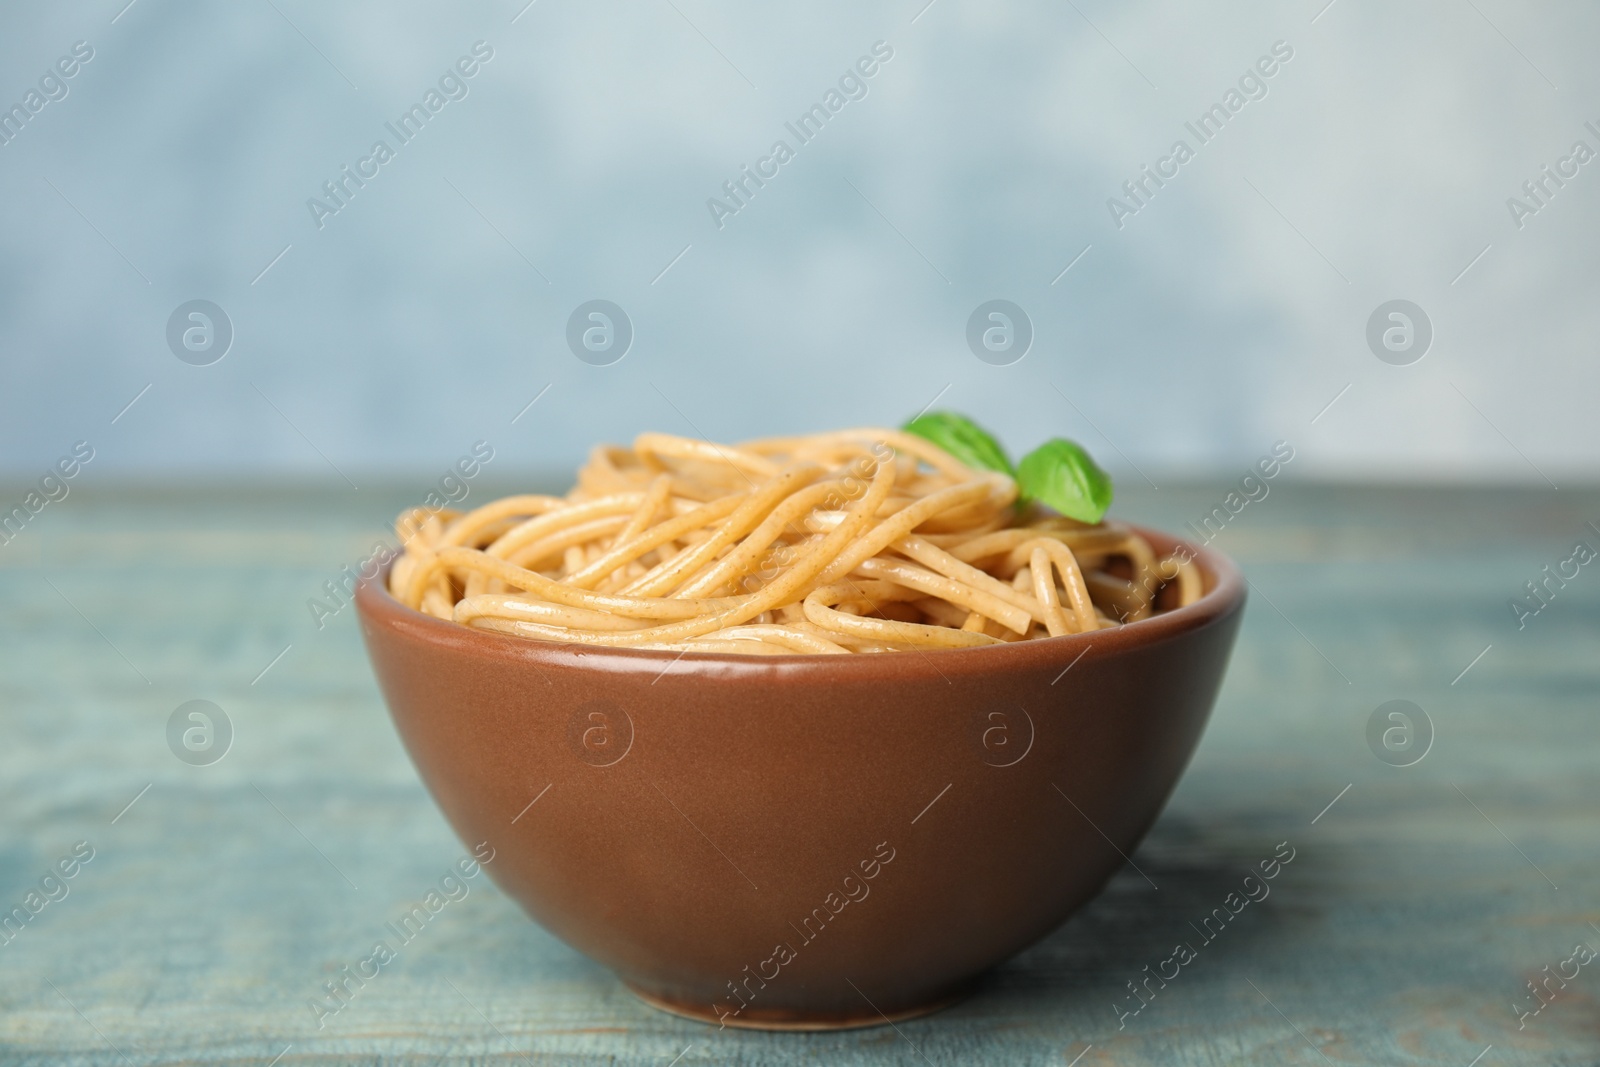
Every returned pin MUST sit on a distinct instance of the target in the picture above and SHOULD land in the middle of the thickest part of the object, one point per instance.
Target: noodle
(854, 541)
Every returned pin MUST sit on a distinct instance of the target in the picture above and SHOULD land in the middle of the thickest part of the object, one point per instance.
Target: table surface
(219, 898)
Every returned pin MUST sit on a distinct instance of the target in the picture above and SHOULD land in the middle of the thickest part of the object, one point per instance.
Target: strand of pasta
(700, 621)
(736, 564)
(819, 609)
(626, 551)
(464, 529)
(752, 512)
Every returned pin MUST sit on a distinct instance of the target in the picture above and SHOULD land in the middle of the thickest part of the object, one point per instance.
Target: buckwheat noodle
(866, 540)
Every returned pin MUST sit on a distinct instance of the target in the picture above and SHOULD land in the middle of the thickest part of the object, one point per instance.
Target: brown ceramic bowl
(804, 842)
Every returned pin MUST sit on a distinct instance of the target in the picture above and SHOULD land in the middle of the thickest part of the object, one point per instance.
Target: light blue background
(1223, 317)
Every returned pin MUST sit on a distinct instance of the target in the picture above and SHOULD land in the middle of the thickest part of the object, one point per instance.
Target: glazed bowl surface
(804, 841)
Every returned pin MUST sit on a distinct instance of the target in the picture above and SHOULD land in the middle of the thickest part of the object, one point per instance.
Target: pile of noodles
(866, 540)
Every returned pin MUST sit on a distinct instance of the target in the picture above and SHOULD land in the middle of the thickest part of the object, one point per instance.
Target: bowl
(804, 842)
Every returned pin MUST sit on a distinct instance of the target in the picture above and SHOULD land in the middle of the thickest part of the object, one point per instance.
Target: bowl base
(785, 1019)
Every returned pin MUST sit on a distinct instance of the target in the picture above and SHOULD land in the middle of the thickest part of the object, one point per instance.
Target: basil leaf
(963, 439)
(1061, 474)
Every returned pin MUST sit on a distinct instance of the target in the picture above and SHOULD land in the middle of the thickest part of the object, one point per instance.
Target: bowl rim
(1224, 596)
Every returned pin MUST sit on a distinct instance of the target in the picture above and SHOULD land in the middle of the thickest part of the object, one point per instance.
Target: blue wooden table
(209, 901)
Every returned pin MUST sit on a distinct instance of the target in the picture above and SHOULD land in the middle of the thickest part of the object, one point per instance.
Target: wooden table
(219, 898)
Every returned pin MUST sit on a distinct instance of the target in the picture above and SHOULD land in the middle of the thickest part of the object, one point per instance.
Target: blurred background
(272, 268)
(380, 337)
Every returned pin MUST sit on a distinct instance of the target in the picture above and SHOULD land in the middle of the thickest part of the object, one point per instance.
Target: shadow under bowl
(804, 842)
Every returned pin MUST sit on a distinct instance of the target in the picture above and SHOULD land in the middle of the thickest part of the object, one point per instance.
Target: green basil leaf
(963, 439)
(1060, 474)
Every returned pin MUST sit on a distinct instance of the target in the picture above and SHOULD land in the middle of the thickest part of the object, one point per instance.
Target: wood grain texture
(215, 908)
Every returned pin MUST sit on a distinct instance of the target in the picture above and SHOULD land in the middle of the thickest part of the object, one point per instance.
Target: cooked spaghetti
(868, 540)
